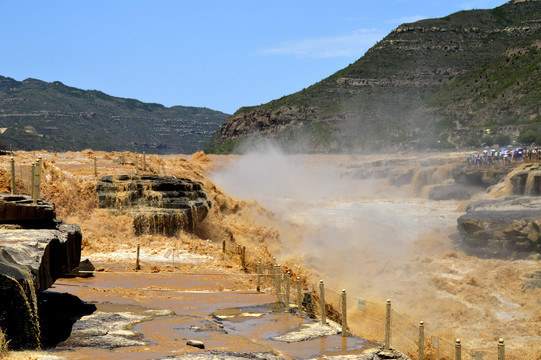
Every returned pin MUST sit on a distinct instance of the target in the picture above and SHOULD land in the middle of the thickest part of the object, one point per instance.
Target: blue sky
(220, 54)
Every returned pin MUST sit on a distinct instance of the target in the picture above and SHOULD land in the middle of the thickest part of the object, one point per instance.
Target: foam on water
(380, 241)
(372, 238)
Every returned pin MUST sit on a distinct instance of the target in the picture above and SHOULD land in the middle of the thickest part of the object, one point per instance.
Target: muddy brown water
(376, 240)
(193, 299)
(381, 241)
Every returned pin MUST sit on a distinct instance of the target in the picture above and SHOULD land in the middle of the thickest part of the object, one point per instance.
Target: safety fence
(376, 322)
(372, 321)
(24, 176)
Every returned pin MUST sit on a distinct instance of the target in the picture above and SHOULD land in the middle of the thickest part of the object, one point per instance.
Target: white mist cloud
(336, 224)
(479, 4)
(264, 173)
(407, 19)
(352, 44)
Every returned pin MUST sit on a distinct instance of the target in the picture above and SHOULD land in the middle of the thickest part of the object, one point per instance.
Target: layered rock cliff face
(433, 83)
(35, 250)
(434, 177)
(504, 228)
(158, 205)
(509, 226)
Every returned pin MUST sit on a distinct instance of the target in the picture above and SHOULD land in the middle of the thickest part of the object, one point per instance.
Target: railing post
(12, 167)
(322, 296)
(280, 280)
(344, 314)
(223, 246)
(458, 350)
(277, 279)
(288, 288)
(95, 167)
(38, 177)
(388, 325)
(144, 161)
(421, 340)
(501, 350)
(299, 295)
(137, 266)
(40, 167)
(243, 258)
(259, 275)
(33, 184)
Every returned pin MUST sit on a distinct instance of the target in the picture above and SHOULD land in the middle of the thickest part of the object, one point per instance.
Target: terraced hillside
(36, 115)
(435, 83)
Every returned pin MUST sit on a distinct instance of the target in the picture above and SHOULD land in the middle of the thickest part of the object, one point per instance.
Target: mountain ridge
(38, 115)
(416, 88)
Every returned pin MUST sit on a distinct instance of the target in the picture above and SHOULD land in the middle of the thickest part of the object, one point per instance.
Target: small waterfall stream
(158, 205)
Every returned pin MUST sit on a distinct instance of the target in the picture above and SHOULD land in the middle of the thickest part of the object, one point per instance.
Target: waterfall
(533, 184)
(18, 308)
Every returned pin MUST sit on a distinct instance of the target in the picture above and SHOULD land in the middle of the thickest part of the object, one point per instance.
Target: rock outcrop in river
(158, 204)
(507, 226)
(35, 250)
(502, 228)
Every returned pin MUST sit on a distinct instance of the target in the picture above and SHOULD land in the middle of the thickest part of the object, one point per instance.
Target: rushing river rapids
(380, 241)
(325, 217)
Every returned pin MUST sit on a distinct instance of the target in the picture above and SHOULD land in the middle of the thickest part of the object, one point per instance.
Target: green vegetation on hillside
(435, 83)
(36, 115)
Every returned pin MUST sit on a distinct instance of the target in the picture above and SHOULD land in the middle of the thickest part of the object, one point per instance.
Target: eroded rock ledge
(502, 228)
(35, 250)
(506, 227)
(158, 204)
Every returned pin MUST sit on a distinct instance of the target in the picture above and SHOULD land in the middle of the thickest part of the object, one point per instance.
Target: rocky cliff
(35, 250)
(507, 226)
(435, 83)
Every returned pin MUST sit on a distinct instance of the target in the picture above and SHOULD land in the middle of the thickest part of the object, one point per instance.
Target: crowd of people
(505, 155)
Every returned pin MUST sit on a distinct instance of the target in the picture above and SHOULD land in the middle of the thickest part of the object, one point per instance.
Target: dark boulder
(503, 228)
(532, 281)
(35, 250)
(57, 314)
(452, 192)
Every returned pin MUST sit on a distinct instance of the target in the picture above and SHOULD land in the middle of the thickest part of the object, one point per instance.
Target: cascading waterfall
(533, 184)
(158, 205)
(19, 313)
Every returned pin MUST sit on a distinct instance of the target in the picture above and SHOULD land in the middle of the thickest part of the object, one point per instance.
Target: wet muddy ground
(142, 315)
